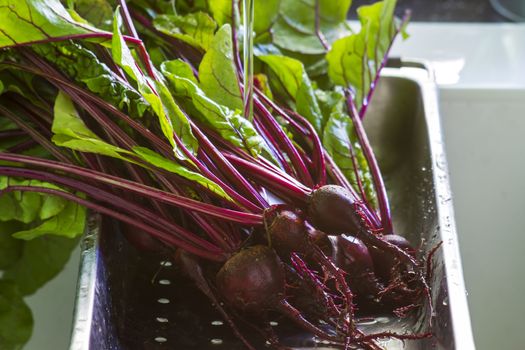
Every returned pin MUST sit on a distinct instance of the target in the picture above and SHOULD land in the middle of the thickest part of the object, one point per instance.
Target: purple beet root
(253, 279)
(385, 262)
(289, 233)
(141, 240)
(332, 209)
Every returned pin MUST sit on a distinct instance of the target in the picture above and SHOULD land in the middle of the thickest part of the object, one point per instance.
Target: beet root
(290, 233)
(333, 209)
(385, 261)
(253, 279)
(141, 240)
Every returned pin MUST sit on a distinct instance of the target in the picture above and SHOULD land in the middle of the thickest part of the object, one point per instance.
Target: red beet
(332, 209)
(290, 233)
(253, 279)
(385, 261)
(141, 240)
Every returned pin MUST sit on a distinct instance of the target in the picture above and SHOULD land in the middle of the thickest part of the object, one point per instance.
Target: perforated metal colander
(131, 300)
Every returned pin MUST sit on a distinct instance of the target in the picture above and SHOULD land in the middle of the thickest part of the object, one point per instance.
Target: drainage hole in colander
(274, 323)
(166, 263)
(216, 341)
(217, 323)
(163, 301)
(162, 320)
(161, 339)
(165, 282)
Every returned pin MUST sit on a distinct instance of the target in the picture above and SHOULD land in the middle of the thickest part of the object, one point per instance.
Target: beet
(353, 255)
(385, 261)
(253, 279)
(290, 233)
(332, 209)
(287, 233)
(141, 240)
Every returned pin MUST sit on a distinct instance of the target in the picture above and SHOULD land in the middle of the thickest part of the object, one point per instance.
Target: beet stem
(384, 208)
(163, 236)
(170, 198)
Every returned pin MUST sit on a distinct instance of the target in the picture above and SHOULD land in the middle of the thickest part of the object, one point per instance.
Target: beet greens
(286, 212)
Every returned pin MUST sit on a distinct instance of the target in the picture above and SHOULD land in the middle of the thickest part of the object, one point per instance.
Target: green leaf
(23, 21)
(217, 72)
(294, 29)
(196, 29)
(292, 75)
(171, 118)
(230, 124)
(69, 222)
(353, 61)
(221, 10)
(10, 248)
(51, 206)
(29, 207)
(266, 13)
(82, 65)
(23, 207)
(70, 131)
(166, 164)
(16, 320)
(96, 12)
(42, 259)
(338, 137)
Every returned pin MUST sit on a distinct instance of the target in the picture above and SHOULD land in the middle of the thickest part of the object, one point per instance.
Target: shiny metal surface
(127, 300)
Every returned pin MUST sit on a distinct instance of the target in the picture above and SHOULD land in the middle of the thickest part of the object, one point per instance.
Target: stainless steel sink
(128, 300)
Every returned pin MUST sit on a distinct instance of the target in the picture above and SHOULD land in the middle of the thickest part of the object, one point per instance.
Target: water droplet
(216, 341)
(273, 323)
(424, 169)
(162, 319)
(382, 319)
(217, 323)
(445, 303)
(165, 282)
(161, 339)
(163, 301)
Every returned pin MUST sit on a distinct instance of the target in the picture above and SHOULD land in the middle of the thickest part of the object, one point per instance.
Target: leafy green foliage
(42, 259)
(171, 118)
(196, 29)
(166, 164)
(10, 248)
(354, 60)
(267, 12)
(230, 124)
(99, 13)
(71, 132)
(57, 216)
(16, 321)
(293, 77)
(23, 21)
(82, 65)
(68, 222)
(217, 71)
(221, 10)
(294, 29)
(338, 139)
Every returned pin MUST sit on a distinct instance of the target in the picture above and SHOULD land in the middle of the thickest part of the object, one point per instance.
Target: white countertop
(480, 69)
(481, 72)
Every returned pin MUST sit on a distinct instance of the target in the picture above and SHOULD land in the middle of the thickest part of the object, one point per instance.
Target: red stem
(266, 117)
(163, 236)
(146, 191)
(377, 179)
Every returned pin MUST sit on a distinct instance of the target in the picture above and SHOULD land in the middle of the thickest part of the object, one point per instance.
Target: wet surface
(443, 10)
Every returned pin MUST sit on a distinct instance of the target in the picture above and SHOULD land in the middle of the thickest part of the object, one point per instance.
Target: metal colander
(132, 300)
